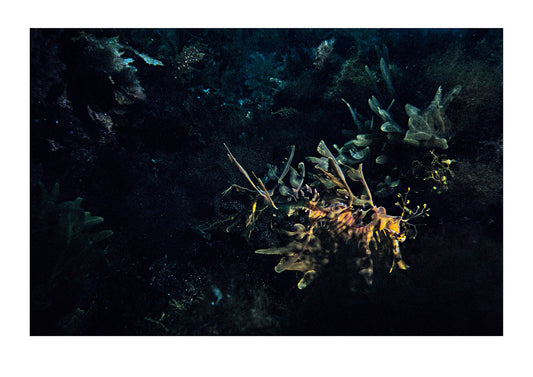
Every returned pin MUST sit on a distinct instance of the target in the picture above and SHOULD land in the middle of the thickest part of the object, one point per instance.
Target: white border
(260, 356)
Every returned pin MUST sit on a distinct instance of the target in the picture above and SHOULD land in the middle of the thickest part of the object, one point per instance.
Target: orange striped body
(345, 223)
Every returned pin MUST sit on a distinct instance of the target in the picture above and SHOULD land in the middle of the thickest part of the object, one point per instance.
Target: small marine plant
(435, 170)
(64, 241)
(324, 217)
(392, 126)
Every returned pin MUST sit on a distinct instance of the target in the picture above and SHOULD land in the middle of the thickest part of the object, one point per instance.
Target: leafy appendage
(330, 218)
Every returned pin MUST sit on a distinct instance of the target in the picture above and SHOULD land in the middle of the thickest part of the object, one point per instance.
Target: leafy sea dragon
(346, 218)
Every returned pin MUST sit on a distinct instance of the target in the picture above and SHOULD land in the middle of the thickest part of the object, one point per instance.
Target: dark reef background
(133, 121)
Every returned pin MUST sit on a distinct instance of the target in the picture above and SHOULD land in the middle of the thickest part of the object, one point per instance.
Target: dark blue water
(134, 123)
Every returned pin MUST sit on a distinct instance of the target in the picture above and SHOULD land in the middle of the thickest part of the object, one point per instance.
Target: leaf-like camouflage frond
(100, 236)
(92, 220)
(288, 164)
(324, 151)
(355, 175)
(301, 254)
(264, 192)
(331, 178)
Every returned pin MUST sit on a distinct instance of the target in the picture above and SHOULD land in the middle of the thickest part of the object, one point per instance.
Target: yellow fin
(402, 265)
